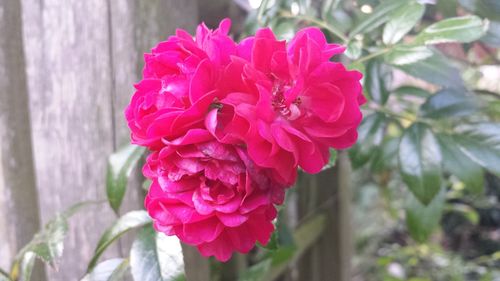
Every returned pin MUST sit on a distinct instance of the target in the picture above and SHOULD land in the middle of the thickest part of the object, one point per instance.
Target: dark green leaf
(370, 135)
(402, 21)
(273, 243)
(120, 166)
(127, 222)
(403, 54)
(420, 162)
(460, 29)
(421, 219)
(437, 70)
(385, 158)
(492, 36)
(484, 8)
(109, 270)
(412, 91)
(448, 103)
(457, 163)
(379, 16)
(481, 143)
(378, 78)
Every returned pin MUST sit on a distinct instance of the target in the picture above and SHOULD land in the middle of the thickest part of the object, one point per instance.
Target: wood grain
(19, 218)
(82, 59)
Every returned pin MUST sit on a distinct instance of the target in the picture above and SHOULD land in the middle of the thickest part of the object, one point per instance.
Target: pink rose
(179, 85)
(288, 103)
(211, 195)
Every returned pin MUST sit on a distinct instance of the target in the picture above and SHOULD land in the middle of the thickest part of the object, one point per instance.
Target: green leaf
(354, 49)
(420, 162)
(284, 29)
(370, 135)
(48, 244)
(436, 69)
(120, 166)
(328, 7)
(27, 265)
(448, 103)
(460, 29)
(378, 78)
(379, 16)
(485, 8)
(481, 143)
(411, 91)
(131, 220)
(146, 261)
(402, 21)
(422, 220)
(109, 270)
(404, 54)
(385, 158)
(170, 256)
(457, 163)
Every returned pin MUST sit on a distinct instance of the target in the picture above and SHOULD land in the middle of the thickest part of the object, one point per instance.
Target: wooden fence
(66, 73)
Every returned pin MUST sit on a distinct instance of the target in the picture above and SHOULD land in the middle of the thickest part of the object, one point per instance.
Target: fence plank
(67, 50)
(83, 57)
(337, 245)
(19, 218)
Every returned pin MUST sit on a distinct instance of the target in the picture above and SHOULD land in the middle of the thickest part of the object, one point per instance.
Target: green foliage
(457, 163)
(420, 162)
(47, 245)
(481, 143)
(463, 29)
(144, 259)
(428, 137)
(109, 270)
(127, 222)
(383, 13)
(120, 166)
(423, 219)
(402, 21)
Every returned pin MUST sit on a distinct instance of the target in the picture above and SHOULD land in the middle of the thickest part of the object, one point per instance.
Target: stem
(373, 55)
(317, 22)
(393, 114)
(262, 9)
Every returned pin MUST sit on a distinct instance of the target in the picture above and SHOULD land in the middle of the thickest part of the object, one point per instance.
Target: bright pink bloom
(288, 103)
(180, 83)
(211, 195)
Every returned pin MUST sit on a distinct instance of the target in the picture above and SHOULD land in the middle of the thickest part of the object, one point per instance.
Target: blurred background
(416, 199)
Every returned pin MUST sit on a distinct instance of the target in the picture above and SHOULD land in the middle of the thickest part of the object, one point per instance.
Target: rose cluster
(228, 124)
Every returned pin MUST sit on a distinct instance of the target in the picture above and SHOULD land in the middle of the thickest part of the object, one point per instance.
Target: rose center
(286, 107)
